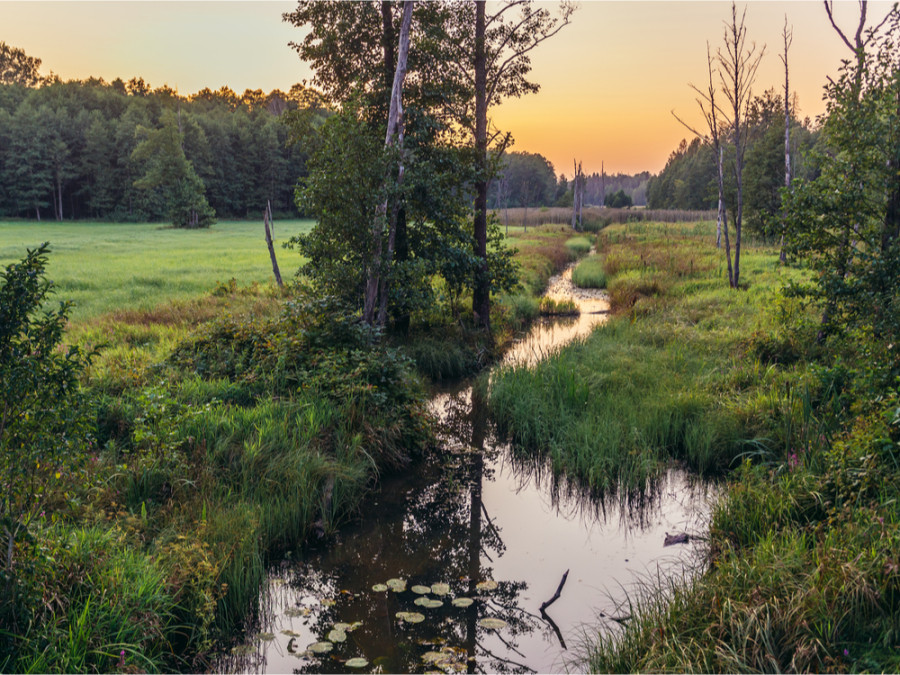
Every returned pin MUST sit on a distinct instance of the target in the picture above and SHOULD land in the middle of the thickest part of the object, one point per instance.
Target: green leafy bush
(45, 421)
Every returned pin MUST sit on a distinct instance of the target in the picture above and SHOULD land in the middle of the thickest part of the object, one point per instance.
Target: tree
(16, 67)
(169, 170)
(845, 222)
(495, 65)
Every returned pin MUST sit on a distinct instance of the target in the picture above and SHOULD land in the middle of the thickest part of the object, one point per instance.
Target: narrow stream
(489, 537)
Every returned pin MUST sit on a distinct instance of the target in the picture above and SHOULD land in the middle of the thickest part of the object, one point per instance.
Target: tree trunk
(782, 256)
(481, 291)
(267, 218)
(376, 281)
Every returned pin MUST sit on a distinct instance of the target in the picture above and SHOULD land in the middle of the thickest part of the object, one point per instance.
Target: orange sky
(609, 81)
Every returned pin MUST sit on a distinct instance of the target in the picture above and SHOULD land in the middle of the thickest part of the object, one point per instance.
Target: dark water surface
(492, 528)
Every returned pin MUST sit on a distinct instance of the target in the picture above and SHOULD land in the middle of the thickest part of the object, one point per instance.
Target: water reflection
(494, 527)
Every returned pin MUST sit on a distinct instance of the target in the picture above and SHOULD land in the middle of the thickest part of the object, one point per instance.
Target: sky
(609, 81)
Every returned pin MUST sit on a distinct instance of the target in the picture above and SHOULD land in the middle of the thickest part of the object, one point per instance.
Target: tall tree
(788, 36)
(738, 66)
(169, 170)
(497, 65)
(16, 67)
(378, 269)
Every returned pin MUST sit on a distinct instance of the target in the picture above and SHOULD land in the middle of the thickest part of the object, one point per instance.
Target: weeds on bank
(218, 445)
(802, 565)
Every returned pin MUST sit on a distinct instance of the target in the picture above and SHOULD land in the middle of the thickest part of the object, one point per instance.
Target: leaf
(421, 590)
(461, 602)
(266, 636)
(488, 585)
(336, 635)
(320, 647)
(492, 623)
(358, 662)
(440, 589)
(379, 588)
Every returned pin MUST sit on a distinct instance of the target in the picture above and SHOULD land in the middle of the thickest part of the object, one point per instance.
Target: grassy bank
(227, 428)
(802, 559)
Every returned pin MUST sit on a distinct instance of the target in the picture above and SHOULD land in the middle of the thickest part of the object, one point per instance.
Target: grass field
(106, 267)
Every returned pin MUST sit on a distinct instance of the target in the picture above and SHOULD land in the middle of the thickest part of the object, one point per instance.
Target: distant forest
(68, 149)
(529, 179)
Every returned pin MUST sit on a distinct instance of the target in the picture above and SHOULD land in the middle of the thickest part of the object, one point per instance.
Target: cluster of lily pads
(448, 658)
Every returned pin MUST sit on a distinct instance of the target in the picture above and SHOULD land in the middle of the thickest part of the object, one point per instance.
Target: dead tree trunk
(267, 220)
(788, 38)
(375, 299)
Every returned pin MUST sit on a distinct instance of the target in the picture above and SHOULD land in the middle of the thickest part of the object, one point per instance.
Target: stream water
(475, 523)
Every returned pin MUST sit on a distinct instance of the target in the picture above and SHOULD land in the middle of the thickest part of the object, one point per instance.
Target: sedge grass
(589, 273)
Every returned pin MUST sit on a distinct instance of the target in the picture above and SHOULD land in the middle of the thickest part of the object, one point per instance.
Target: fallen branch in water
(559, 588)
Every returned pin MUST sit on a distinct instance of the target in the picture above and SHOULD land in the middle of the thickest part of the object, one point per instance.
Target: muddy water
(474, 523)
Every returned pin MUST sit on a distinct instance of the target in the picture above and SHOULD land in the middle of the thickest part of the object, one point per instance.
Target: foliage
(618, 200)
(162, 151)
(16, 67)
(846, 222)
(44, 418)
(523, 179)
(69, 145)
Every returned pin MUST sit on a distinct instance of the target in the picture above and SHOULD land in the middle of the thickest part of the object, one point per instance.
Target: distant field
(103, 267)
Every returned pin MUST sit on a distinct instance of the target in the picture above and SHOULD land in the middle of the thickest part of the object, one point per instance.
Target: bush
(45, 421)
(589, 274)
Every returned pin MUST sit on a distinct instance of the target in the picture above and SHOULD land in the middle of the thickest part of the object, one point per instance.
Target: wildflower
(846, 652)
(122, 659)
(793, 461)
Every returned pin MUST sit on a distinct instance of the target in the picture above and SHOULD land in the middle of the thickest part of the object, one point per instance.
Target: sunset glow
(609, 81)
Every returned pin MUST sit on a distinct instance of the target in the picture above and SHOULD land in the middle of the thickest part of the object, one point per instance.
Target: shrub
(44, 419)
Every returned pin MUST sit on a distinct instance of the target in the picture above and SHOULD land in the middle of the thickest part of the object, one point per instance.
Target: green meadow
(108, 267)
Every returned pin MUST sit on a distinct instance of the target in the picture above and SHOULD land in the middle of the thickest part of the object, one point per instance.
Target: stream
(468, 549)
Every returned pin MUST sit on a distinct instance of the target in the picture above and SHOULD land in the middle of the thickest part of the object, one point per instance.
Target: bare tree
(788, 36)
(376, 271)
(737, 72)
(712, 116)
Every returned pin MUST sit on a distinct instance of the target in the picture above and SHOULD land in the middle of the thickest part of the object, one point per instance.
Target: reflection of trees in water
(433, 528)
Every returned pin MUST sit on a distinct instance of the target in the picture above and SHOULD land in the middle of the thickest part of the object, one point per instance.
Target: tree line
(526, 179)
(124, 151)
(689, 179)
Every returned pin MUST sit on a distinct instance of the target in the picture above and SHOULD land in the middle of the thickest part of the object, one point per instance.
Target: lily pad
(266, 637)
(242, 650)
(432, 604)
(433, 657)
(411, 617)
(461, 602)
(358, 662)
(344, 627)
(440, 589)
(329, 602)
(296, 611)
(395, 583)
(336, 635)
(353, 626)
(320, 647)
(488, 585)
(421, 590)
(379, 588)
(489, 622)
(290, 633)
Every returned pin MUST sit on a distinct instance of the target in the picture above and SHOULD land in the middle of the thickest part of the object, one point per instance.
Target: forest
(630, 439)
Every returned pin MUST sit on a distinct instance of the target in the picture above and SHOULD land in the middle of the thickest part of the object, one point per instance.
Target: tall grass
(589, 273)
(596, 218)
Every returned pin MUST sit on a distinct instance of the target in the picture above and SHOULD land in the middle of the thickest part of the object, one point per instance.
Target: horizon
(609, 81)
